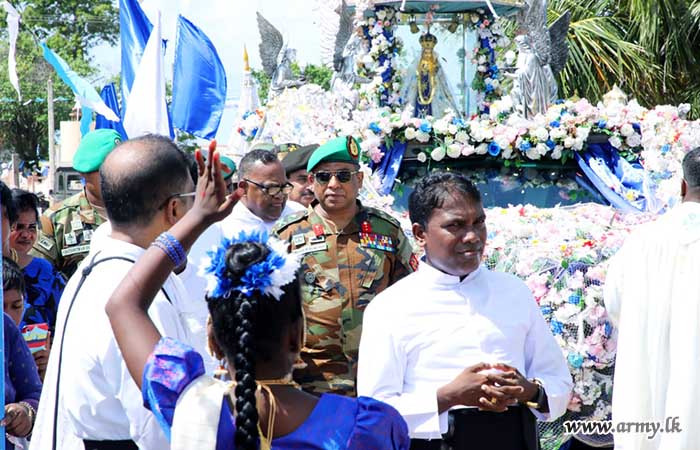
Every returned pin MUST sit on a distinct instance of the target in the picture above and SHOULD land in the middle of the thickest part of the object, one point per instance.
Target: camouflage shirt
(66, 232)
(340, 274)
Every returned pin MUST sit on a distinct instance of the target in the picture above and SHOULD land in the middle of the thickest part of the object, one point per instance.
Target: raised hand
(212, 203)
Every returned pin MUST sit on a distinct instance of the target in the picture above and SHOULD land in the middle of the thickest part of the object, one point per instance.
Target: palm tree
(600, 55)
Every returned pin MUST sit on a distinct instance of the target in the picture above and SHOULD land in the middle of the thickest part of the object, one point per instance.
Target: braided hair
(250, 328)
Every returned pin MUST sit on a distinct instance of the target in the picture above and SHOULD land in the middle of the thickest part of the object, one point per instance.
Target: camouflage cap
(340, 149)
(94, 148)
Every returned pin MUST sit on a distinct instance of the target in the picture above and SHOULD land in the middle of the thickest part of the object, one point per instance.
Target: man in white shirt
(652, 294)
(461, 338)
(147, 188)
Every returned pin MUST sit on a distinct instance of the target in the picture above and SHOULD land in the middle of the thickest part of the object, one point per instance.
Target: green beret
(225, 161)
(287, 148)
(228, 162)
(94, 148)
(298, 159)
(263, 146)
(341, 149)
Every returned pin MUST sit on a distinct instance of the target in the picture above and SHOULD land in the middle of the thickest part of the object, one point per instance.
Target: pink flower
(574, 403)
(375, 154)
(487, 23)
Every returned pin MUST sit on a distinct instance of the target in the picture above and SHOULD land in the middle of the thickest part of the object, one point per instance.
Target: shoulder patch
(45, 243)
(289, 220)
(384, 216)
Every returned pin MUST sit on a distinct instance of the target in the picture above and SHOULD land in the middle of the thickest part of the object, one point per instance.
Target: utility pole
(15, 169)
(52, 149)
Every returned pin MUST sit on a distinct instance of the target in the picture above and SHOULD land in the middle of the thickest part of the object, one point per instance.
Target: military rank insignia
(376, 241)
(352, 147)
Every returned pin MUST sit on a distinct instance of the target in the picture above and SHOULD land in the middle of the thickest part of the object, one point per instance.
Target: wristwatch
(538, 401)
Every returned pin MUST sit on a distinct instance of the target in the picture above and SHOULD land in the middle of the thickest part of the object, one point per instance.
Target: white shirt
(243, 219)
(423, 331)
(98, 398)
(652, 294)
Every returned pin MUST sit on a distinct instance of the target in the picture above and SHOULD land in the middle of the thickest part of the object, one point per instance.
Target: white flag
(12, 30)
(147, 110)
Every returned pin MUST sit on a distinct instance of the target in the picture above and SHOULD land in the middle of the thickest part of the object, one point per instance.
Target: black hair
(194, 168)
(251, 158)
(159, 170)
(12, 276)
(8, 203)
(25, 201)
(431, 191)
(250, 328)
(691, 168)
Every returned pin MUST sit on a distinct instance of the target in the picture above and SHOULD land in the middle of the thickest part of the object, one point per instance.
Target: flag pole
(2, 356)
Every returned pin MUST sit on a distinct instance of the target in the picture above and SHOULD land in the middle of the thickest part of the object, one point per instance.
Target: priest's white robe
(652, 293)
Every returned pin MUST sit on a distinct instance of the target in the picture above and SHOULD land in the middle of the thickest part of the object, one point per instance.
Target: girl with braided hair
(257, 326)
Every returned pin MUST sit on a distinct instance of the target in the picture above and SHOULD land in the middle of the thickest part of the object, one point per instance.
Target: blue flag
(109, 96)
(199, 82)
(87, 95)
(134, 30)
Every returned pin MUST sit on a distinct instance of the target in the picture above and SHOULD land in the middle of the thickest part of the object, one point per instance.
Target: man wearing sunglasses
(350, 253)
(265, 191)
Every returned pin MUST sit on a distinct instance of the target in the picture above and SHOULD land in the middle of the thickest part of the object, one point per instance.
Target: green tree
(72, 27)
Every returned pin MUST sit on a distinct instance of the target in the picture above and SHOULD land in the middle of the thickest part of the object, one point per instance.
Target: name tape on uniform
(311, 248)
(74, 250)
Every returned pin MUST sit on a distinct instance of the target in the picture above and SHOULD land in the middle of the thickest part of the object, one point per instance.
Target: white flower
(578, 144)
(510, 57)
(422, 137)
(468, 150)
(532, 153)
(481, 60)
(557, 133)
(440, 126)
(502, 141)
(496, 84)
(616, 142)
(452, 129)
(626, 130)
(410, 133)
(381, 14)
(583, 132)
(542, 149)
(454, 150)
(634, 140)
(421, 157)
(482, 149)
(542, 134)
(569, 142)
(475, 18)
(438, 153)
(556, 153)
(481, 68)
(462, 136)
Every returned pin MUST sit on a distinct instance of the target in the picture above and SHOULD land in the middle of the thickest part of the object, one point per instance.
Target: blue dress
(44, 288)
(336, 423)
(22, 383)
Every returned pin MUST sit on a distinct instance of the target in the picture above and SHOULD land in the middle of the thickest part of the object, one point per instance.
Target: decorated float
(564, 181)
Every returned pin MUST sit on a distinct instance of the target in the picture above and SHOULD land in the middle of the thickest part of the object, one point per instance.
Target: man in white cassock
(652, 293)
(461, 352)
(89, 400)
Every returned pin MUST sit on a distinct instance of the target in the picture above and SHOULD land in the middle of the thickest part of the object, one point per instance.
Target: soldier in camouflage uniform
(67, 228)
(350, 253)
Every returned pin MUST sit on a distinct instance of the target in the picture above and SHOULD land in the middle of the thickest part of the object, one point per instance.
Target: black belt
(469, 428)
(110, 445)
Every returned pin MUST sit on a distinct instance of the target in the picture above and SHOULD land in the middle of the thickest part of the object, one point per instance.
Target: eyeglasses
(29, 227)
(170, 197)
(274, 189)
(344, 176)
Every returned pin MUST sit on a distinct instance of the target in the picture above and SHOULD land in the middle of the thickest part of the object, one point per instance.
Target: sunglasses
(170, 197)
(344, 176)
(272, 190)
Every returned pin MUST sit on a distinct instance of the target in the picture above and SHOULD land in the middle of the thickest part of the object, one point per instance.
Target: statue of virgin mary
(427, 88)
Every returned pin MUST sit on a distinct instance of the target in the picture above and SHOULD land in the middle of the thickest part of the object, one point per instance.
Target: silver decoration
(271, 46)
(543, 53)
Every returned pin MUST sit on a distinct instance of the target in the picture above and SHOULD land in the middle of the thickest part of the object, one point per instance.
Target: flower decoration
(249, 124)
(266, 277)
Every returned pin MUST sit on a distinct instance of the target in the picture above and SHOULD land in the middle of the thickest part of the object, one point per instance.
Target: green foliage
(70, 28)
(320, 75)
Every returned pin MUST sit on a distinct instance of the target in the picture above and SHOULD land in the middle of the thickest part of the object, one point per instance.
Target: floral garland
(489, 79)
(380, 62)
(249, 124)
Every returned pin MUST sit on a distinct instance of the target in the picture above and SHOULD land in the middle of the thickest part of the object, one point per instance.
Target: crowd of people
(193, 303)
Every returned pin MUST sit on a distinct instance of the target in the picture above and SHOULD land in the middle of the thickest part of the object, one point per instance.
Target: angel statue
(427, 88)
(271, 46)
(542, 55)
(340, 46)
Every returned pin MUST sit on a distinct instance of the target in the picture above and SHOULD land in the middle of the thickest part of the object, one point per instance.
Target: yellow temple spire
(246, 65)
